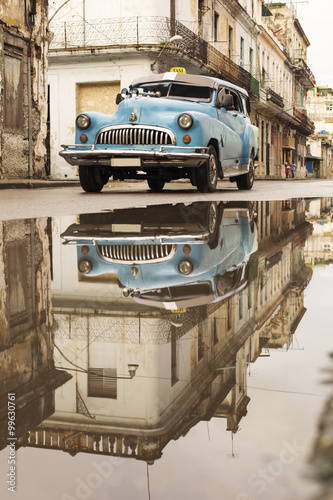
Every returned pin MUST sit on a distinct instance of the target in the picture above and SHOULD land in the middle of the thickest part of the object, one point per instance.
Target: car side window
(238, 105)
(246, 105)
(237, 101)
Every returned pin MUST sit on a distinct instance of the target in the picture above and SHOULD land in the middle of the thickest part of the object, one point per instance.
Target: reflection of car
(169, 255)
(169, 126)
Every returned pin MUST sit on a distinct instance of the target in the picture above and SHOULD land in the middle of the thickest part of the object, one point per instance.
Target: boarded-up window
(102, 383)
(13, 89)
(97, 96)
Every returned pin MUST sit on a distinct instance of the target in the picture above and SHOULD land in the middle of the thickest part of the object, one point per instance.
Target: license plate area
(125, 162)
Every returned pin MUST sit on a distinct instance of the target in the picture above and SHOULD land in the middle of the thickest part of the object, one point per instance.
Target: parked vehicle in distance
(169, 256)
(168, 126)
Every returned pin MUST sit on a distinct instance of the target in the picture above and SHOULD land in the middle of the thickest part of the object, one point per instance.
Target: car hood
(156, 110)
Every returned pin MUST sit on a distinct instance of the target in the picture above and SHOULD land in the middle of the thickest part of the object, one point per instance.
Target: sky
(316, 17)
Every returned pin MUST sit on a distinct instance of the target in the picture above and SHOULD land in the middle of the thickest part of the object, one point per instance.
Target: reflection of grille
(143, 136)
(136, 253)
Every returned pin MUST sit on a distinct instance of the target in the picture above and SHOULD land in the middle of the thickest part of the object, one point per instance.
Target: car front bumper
(165, 156)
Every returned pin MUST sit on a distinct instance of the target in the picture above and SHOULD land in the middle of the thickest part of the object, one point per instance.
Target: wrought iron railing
(304, 119)
(149, 31)
(302, 66)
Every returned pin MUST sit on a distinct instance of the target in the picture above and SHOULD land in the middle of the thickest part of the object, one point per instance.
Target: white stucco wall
(63, 78)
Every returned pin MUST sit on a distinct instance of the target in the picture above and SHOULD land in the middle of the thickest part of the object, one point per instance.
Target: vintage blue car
(170, 256)
(169, 126)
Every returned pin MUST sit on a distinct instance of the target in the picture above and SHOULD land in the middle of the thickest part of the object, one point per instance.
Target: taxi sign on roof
(177, 70)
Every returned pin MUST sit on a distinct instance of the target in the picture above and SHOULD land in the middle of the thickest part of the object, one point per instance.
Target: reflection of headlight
(83, 121)
(185, 267)
(185, 121)
(85, 266)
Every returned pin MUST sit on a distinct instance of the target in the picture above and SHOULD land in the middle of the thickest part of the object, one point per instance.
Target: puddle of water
(165, 351)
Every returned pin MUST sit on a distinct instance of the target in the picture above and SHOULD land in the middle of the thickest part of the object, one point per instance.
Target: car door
(234, 122)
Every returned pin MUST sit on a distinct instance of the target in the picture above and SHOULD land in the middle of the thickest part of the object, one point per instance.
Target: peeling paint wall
(25, 318)
(23, 119)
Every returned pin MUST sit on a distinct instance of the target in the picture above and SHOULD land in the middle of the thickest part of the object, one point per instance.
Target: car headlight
(185, 121)
(85, 266)
(185, 267)
(83, 121)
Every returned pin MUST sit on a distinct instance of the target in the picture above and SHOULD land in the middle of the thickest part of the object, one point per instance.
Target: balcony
(275, 98)
(306, 125)
(288, 142)
(304, 73)
(147, 32)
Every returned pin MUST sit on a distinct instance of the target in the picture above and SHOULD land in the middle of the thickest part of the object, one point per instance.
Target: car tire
(91, 179)
(156, 185)
(207, 174)
(213, 222)
(245, 182)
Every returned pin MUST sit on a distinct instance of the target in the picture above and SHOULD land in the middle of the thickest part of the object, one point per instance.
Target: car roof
(207, 81)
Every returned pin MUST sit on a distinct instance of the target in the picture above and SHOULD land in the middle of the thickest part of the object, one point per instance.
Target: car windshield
(172, 90)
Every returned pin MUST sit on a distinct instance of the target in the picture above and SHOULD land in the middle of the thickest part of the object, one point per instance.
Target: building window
(229, 313)
(215, 337)
(230, 42)
(200, 10)
(174, 358)
(249, 297)
(251, 60)
(13, 88)
(102, 383)
(262, 140)
(242, 52)
(240, 306)
(216, 26)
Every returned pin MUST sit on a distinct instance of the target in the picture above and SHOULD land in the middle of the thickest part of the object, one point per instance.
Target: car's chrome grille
(135, 135)
(136, 253)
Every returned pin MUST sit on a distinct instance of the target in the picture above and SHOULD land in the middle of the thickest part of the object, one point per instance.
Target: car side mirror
(119, 98)
(225, 101)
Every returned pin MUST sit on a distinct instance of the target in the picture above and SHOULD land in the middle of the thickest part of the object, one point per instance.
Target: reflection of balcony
(148, 31)
(304, 73)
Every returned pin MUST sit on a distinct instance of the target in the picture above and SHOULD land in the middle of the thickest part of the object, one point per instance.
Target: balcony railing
(274, 98)
(304, 69)
(149, 31)
(306, 123)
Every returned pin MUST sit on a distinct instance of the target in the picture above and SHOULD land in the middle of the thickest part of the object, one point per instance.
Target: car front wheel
(92, 179)
(246, 181)
(156, 185)
(207, 174)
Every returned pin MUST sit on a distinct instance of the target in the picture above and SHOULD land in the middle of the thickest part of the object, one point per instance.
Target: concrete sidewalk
(37, 183)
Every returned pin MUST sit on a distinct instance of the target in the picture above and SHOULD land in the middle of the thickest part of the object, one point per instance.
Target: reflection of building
(282, 276)
(26, 354)
(319, 247)
(192, 364)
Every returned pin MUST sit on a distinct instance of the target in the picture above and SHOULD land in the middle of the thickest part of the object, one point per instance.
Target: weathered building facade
(23, 99)
(96, 51)
(319, 156)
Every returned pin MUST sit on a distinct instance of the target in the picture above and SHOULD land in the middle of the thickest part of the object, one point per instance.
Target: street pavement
(30, 198)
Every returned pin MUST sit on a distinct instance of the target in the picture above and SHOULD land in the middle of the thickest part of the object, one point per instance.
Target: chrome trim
(180, 156)
(126, 135)
(136, 254)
